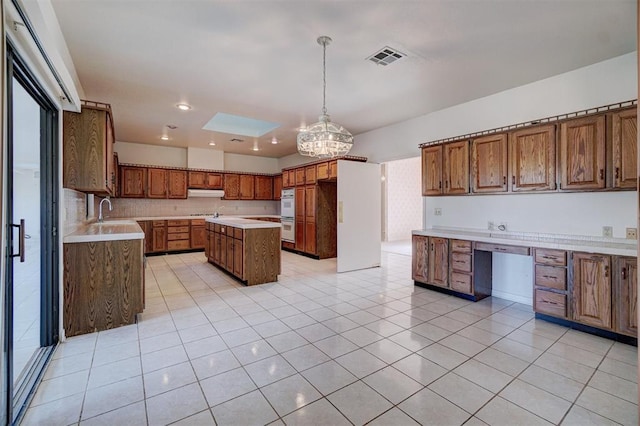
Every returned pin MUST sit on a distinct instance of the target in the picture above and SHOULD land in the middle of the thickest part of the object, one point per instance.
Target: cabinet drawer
(197, 222)
(551, 257)
(460, 246)
(461, 262)
(177, 229)
(461, 282)
(178, 222)
(237, 233)
(503, 248)
(178, 245)
(551, 276)
(548, 302)
(158, 223)
(179, 236)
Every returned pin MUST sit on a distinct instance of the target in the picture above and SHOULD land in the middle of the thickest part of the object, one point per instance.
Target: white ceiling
(260, 58)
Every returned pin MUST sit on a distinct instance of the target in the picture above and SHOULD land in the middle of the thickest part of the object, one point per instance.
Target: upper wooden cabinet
(277, 187)
(204, 180)
(489, 163)
(133, 181)
(299, 176)
(582, 153)
(88, 140)
(231, 186)
(591, 296)
(322, 171)
(264, 187)
(333, 169)
(624, 134)
(310, 175)
(533, 158)
(177, 184)
(432, 170)
(247, 187)
(456, 168)
(157, 183)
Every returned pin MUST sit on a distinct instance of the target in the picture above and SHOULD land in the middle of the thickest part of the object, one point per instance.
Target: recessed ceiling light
(274, 140)
(212, 143)
(184, 107)
(164, 137)
(171, 126)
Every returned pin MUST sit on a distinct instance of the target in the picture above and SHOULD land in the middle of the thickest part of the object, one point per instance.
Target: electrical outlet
(437, 211)
(632, 233)
(502, 226)
(491, 226)
(607, 231)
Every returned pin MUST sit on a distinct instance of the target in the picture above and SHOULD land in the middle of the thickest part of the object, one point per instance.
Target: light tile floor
(330, 349)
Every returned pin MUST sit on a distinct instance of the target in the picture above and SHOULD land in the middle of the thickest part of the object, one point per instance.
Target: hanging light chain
(324, 75)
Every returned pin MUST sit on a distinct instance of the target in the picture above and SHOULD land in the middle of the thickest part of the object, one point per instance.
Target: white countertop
(611, 246)
(275, 216)
(238, 222)
(110, 230)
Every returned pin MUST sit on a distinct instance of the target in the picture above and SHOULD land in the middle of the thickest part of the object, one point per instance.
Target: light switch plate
(437, 211)
(607, 231)
(632, 233)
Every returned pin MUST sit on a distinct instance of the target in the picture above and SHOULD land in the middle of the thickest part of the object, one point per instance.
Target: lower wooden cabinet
(626, 296)
(591, 296)
(439, 261)
(461, 266)
(159, 236)
(103, 285)
(420, 258)
(550, 290)
(198, 234)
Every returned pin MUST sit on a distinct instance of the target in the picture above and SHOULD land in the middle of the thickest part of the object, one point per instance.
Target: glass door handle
(21, 239)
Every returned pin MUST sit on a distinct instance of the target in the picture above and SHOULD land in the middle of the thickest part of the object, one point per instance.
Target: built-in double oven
(288, 213)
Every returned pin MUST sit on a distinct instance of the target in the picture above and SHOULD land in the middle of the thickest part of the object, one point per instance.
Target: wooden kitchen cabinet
(247, 187)
(177, 184)
(439, 261)
(285, 179)
(159, 228)
(626, 296)
(156, 183)
(230, 257)
(333, 169)
(263, 187)
(214, 181)
(133, 181)
(550, 289)
(461, 266)
(103, 285)
(198, 234)
(147, 228)
(300, 214)
(310, 212)
(277, 187)
(489, 163)
(591, 295)
(582, 153)
(532, 153)
(231, 186)
(420, 258)
(88, 158)
(310, 175)
(299, 174)
(238, 257)
(322, 171)
(456, 168)
(197, 180)
(432, 170)
(624, 138)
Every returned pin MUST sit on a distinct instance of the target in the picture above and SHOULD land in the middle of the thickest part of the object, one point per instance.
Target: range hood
(205, 193)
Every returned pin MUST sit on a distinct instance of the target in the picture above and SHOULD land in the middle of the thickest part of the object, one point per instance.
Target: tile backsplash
(75, 211)
(127, 207)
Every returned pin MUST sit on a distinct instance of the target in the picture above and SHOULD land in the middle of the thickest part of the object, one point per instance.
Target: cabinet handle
(446, 184)
(617, 173)
(601, 173)
(624, 273)
(440, 185)
(513, 180)
(504, 180)
(606, 272)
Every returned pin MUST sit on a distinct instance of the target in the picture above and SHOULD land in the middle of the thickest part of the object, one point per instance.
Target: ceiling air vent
(385, 56)
(236, 140)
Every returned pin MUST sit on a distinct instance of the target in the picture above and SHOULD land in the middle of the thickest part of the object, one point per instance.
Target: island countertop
(242, 223)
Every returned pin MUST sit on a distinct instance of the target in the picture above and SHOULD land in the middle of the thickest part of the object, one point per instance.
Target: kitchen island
(247, 249)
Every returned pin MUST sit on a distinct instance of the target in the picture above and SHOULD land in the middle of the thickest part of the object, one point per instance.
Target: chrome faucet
(100, 217)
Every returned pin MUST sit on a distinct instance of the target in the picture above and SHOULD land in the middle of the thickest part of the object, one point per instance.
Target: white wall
(250, 163)
(198, 158)
(403, 201)
(600, 84)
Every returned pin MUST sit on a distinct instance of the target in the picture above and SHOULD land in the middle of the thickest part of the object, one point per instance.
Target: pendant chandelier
(324, 139)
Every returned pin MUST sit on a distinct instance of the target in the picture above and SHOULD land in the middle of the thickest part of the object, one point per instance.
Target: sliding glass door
(31, 281)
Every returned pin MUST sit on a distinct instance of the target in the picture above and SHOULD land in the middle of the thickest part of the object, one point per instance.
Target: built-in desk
(584, 280)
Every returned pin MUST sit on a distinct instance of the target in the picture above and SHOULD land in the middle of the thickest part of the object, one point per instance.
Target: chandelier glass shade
(324, 139)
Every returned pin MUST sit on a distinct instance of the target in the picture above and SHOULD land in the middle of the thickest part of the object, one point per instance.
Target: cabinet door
(238, 258)
(214, 181)
(223, 251)
(582, 153)
(626, 296)
(310, 175)
(247, 187)
(285, 179)
(148, 235)
(157, 180)
(177, 184)
(197, 179)
(300, 203)
(592, 289)
(299, 174)
(231, 186)
(277, 187)
(133, 182)
(432, 170)
(207, 242)
(159, 238)
(310, 245)
(456, 168)
(625, 148)
(489, 163)
(439, 262)
(333, 169)
(420, 258)
(216, 247)
(322, 171)
(198, 237)
(110, 164)
(230, 258)
(533, 158)
(310, 203)
(264, 187)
